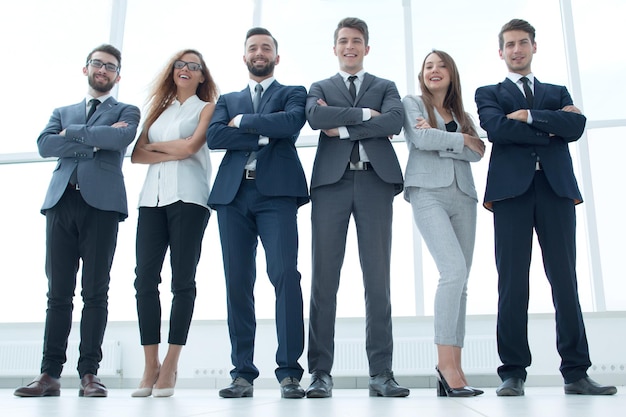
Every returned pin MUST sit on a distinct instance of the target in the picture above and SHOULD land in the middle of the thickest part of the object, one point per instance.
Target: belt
(359, 166)
(249, 175)
(73, 187)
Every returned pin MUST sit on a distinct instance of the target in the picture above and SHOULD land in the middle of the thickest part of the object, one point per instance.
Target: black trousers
(76, 231)
(553, 218)
(179, 226)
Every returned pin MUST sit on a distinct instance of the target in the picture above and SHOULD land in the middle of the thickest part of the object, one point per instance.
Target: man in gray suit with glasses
(85, 202)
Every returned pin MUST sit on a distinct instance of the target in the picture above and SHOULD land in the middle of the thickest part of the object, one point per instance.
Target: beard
(102, 88)
(268, 69)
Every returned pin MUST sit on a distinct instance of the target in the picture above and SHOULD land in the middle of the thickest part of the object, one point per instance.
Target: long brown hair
(164, 89)
(453, 100)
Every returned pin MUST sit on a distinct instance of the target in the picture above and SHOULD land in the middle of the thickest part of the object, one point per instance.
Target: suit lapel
(267, 95)
(338, 81)
(540, 93)
(515, 92)
(365, 85)
(108, 104)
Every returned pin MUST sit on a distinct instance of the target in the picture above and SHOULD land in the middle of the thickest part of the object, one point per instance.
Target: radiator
(19, 359)
(415, 356)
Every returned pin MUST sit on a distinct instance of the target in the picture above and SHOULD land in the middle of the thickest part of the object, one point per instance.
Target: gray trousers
(446, 218)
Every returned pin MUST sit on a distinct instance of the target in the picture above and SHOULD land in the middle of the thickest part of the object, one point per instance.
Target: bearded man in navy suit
(531, 186)
(257, 192)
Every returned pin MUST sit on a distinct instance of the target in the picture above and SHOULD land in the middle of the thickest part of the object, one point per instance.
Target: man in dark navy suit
(257, 192)
(531, 185)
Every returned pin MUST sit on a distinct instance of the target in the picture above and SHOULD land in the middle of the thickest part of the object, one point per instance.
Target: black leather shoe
(290, 388)
(321, 385)
(91, 386)
(587, 386)
(42, 386)
(512, 387)
(385, 385)
(239, 388)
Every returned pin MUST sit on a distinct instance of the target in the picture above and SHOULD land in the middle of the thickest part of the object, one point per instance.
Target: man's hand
(519, 115)
(119, 124)
(572, 109)
(331, 133)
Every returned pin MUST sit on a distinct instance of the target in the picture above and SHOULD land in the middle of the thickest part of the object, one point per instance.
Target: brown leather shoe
(91, 386)
(42, 386)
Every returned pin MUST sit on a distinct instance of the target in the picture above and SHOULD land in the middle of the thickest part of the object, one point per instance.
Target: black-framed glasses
(193, 66)
(96, 63)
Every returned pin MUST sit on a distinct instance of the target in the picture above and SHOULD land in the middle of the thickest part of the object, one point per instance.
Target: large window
(47, 42)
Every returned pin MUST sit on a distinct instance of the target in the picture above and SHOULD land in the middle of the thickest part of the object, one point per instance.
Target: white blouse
(186, 180)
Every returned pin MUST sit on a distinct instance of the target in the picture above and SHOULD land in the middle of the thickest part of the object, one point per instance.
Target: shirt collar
(265, 84)
(345, 75)
(516, 77)
(101, 99)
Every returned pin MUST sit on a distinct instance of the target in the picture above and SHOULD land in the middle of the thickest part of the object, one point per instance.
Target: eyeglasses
(178, 64)
(96, 63)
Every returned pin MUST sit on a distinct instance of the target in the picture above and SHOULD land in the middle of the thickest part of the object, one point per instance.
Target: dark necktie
(352, 87)
(354, 155)
(258, 89)
(530, 99)
(94, 105)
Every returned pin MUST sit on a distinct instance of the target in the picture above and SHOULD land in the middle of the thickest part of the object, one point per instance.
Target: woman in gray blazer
(438, 183)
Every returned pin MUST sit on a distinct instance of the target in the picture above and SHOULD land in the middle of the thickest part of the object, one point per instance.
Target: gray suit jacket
(94, 148)
(333, 154)
(436, 157)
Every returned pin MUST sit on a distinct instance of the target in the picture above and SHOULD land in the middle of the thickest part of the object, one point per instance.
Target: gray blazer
(95, 149)
(436, 157)
(333, 154)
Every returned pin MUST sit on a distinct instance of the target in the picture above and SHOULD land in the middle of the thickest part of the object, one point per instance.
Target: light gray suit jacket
(436, 157)
(333, 154)
(95, 149)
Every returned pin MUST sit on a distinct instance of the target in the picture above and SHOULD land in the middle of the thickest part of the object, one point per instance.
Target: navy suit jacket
(516, 145)
(94, 148)
(279, 172)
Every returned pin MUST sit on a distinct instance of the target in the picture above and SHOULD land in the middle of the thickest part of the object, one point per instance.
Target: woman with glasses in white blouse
(173, 211)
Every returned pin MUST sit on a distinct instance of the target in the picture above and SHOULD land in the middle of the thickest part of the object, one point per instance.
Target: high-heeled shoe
(142, 392)
(477, 391)
(164, 392)
(444, 389)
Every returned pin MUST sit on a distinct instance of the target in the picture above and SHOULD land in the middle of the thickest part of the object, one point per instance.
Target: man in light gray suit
(356, 172)
(85, 202)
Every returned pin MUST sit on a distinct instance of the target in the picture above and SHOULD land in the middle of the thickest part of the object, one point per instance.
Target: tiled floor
(538, 402)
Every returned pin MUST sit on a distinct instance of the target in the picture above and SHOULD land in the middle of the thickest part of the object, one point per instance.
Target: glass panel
(47, 44)
(610, 202)
(602, 67)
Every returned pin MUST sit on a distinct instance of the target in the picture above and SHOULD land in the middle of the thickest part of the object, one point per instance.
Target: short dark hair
(517, 24)
(109, 49)
(261, 31)
(353, 23)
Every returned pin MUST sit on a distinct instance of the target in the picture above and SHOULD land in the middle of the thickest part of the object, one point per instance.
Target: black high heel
(444, 390)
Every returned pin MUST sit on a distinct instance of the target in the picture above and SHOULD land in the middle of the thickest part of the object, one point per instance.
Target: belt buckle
(74, 187)
(358, 166)
(249, 175)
